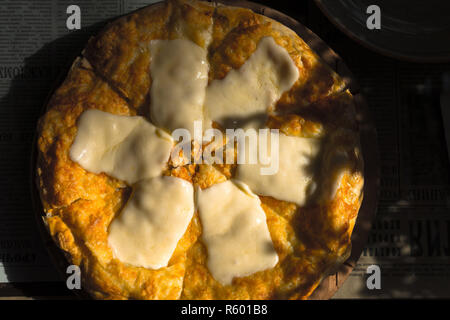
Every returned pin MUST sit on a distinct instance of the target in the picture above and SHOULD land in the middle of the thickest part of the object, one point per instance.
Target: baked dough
(113, 75)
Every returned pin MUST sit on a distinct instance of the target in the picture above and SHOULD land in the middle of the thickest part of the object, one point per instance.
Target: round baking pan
(412, 30)
(369, 145)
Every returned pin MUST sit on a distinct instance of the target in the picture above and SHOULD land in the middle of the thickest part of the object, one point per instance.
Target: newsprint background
(410, 240)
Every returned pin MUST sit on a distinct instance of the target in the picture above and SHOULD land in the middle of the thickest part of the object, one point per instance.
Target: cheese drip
(124, 147)
(295, 160)
(179, 72)
(244, 96)
(153, 221)
(235, 232)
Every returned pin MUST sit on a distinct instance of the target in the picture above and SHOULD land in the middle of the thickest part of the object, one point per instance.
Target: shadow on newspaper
(410, 237)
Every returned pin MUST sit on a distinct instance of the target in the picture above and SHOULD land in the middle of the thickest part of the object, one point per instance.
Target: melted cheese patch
(337, 164)
(179, 72)
(296, 163)
(155, 218)
(243, 97)
(234, 231)
(124, 147)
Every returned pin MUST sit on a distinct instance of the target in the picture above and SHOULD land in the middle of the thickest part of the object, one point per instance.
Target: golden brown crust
(120, 53)
(114, 76)
(236, 33)
(62, 181)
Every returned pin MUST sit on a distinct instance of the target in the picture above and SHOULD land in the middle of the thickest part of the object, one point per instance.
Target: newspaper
(410, 239)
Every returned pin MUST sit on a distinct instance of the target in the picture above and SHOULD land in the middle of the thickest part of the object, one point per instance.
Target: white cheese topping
(245, 95)
(153, 221)
(235, 232)
(295, 160)
(124, 147)
(179, 72)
